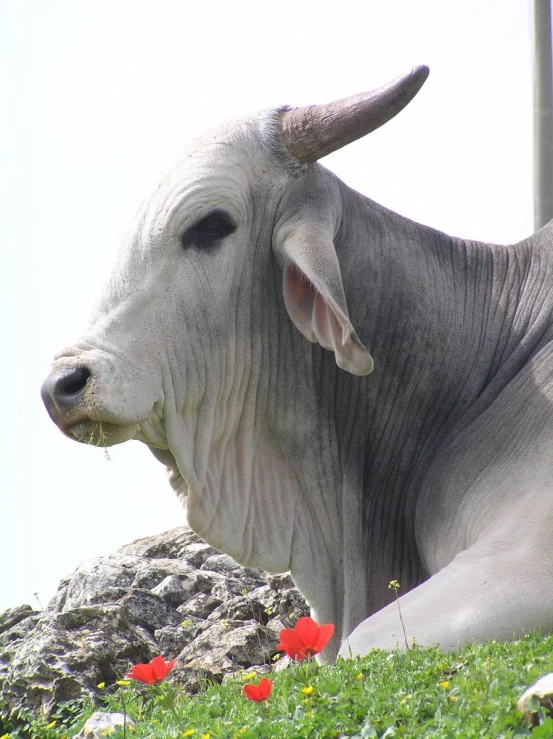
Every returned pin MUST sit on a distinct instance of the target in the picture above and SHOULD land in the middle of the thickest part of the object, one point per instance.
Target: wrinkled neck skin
(286, 462)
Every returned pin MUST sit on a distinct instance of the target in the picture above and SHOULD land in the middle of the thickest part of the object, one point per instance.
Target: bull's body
(435, 470)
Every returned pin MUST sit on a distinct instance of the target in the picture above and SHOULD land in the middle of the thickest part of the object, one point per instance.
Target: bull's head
(192, 348)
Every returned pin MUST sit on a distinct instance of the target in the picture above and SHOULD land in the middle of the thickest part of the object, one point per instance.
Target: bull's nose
(62, 389)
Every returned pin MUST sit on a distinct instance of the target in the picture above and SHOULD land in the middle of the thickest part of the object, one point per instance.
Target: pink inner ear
(310, 311)
(317, 319)
(299, 294)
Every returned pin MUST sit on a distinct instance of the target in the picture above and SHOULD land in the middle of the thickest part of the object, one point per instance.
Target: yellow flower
(123, 682)
(307, 690)
(51, 725)
(188, 732)
(444, 684)
(108, 731)
(5, 736)
(452, 697)
(205, 736)
(359, 676)
(249, 675)
(101, 685)
(308, 714)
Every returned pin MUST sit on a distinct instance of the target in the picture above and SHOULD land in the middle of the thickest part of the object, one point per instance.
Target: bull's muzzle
(62, 393)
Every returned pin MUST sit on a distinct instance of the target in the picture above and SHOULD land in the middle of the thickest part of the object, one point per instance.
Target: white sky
(94, 93)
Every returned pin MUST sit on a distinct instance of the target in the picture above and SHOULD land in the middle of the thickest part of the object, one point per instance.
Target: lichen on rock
(170, 594)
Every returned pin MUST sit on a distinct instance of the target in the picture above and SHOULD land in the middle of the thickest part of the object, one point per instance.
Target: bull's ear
(314, 294)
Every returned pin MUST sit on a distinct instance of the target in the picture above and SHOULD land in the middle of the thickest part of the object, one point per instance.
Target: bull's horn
(317, 130)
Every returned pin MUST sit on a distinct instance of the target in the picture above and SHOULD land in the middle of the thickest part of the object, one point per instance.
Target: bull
(236, 338)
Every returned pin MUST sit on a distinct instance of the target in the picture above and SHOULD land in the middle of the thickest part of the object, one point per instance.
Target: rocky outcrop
(170, 594)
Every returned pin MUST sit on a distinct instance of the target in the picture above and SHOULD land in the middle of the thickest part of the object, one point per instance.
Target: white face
(167, 341)
(191, 348)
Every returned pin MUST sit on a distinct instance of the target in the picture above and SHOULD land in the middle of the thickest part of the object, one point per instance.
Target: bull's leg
(500, 588)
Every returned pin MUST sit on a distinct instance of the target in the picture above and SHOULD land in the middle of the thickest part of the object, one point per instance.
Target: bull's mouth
(101, 433)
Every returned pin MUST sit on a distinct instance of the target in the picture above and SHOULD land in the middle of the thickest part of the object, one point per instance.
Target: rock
(147, 609)
(206, 581)
(100, 580)
(171, 591)
(13, 616)
(240, 608)
(170, 594)
(280, 582)
(63, 655)
(200, 606)
(197, 553)
(287, 603)
(151, 573)
(168, 545)
(231, 587)
(101, 724)
(223, 649)
(171, 640)
(222, 564)
(543, 691)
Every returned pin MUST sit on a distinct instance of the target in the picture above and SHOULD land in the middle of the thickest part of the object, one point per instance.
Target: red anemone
(259, 692)
(154, 672)
(306, 639)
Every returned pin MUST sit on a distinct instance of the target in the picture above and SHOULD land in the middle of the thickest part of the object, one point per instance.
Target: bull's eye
(209, 230)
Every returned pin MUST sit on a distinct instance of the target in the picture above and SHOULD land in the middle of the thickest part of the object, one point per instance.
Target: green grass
(95, 436)
(424, 693)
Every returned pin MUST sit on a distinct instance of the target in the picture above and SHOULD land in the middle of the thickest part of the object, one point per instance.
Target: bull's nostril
(72, 382)
(63, 390)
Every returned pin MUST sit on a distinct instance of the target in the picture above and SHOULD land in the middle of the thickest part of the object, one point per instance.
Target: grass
(95, 436)
(423, 693)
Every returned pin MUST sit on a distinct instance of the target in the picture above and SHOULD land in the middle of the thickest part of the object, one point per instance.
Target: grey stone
(224, 648)
(225, 565)
(99, 724)
(100, 580)
(171, 591)
(280, 581)
(222, 564)
(147, 609)
(207, 580)
(231, 587)
(169, 594)
(151, 573)
(240, 608)
(171, 640)
(200, 606)
(13, 616)
(167, 545)
(197, 553)
(68, 654)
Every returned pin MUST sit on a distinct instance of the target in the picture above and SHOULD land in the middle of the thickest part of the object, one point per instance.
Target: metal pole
(543, 115)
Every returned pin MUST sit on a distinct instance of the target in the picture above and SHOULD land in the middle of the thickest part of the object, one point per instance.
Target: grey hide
(253, 294)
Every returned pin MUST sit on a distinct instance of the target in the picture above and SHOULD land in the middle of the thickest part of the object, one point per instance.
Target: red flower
(155, 672)
(259, 692)
(305, 639)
